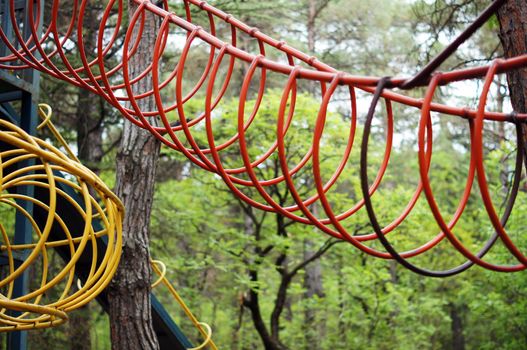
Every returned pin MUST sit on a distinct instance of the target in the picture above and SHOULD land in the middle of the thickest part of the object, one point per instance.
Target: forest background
(256, 277)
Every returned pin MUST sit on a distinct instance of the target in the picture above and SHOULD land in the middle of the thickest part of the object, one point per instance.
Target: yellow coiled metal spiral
(27, 162)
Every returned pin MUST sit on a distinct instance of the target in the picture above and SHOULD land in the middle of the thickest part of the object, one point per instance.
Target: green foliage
(368, 303)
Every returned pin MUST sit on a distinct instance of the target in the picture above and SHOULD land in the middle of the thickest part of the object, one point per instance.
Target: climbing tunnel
(38, 47)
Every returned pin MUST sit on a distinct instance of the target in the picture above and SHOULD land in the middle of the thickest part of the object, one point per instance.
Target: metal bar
(13, 81)
(9, 113)
(10, 96)
(23, 230)
(6, 26)
(166, 328)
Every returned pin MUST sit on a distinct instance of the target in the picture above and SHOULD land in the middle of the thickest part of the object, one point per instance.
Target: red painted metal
(49, 53)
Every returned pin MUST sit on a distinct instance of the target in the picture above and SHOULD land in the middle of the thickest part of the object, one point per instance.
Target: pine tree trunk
(513, 36)
(129, 293)
(512, 18)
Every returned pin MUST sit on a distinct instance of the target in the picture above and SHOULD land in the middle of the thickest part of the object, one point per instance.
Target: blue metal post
(27, 89)
(23, 230)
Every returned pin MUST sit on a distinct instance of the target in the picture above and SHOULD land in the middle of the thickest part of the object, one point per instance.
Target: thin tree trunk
(342, 297)
(79, 326)
(314, 331)
(251, 301)
(129, 293)
(251, 297)
(88, 119)
(457, 327)
(310, 26)
(311, 18)
(90, 130)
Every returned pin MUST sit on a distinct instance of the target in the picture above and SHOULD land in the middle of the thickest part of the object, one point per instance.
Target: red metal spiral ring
(119, 87)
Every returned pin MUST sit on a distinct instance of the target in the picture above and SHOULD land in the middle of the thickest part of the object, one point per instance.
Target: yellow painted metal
(52, 293)
(160, 269)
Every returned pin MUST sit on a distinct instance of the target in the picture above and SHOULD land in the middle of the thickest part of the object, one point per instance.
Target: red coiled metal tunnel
(118, 86)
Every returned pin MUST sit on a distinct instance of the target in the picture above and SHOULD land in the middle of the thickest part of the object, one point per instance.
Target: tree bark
(456, 317)
(512, 18)
(129, 293)
(250, 298)
(251, 301)
(90, 130)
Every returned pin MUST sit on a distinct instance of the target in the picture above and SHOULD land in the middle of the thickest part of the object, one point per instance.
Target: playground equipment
(53, 206)
(47, 53)
(82, 224)
(160, 269)
(28, 161)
